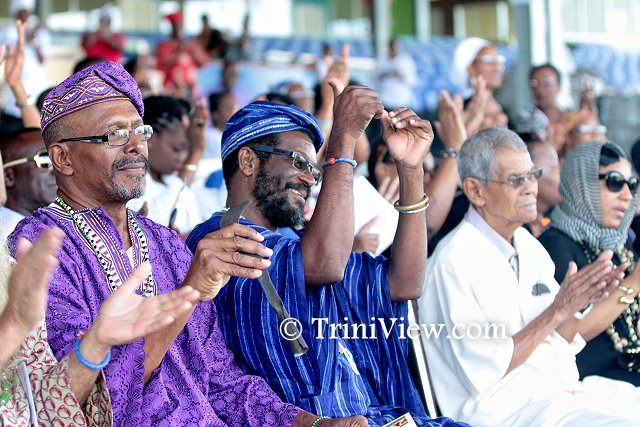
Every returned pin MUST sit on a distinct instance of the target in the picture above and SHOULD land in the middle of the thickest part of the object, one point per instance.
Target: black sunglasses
(299, 162)
(615, 181)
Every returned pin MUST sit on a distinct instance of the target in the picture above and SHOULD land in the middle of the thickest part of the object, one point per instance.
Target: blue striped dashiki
(338, 376)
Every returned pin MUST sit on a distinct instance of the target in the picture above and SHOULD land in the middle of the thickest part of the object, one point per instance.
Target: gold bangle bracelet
(423, 208)
(190, 167)
(625, 300)
(626, 290)
(404, 208)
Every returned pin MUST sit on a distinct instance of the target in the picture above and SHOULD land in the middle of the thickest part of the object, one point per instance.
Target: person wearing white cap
(478, 68)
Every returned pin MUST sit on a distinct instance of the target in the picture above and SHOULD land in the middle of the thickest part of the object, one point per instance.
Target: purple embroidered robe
(198, 382)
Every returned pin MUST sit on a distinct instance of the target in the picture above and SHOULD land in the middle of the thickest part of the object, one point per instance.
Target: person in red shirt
(104, 43)
(179, 58)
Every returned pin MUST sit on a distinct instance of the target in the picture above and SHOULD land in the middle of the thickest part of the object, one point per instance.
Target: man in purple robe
(184, 374)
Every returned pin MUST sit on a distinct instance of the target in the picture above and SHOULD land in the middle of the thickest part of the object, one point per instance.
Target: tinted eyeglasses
(299, 162)
(41, 159)
(545, 81)
(517, 181)
(615, 181)
(491, 59)
(115, 138)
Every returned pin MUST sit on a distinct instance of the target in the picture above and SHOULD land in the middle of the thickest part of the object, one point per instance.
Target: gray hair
(477, 158)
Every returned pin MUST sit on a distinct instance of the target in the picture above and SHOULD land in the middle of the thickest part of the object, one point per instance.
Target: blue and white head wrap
(263, 118)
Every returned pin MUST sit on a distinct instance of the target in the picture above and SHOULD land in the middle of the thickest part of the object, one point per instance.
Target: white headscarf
(465, 54)
(17, 5)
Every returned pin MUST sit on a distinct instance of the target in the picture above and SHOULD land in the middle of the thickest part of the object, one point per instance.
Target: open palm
(407, 136)
(125, 316)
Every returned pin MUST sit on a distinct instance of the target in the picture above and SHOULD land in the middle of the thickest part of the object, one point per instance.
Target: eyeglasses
(517, 181)
(546, 81)
(615, 181)
(41, 159)
(299, 162)
(116, 138)
(491, 59)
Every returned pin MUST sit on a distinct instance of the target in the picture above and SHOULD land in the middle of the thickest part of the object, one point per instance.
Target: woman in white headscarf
(600, 200)
(478, 70)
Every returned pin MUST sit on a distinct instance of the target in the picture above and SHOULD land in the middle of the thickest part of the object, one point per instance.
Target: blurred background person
(479, 68)
(179, 57)
(543, 155)
(229, 83)
(168, 198)
(104, 43)
(396, 77)
(28, 176)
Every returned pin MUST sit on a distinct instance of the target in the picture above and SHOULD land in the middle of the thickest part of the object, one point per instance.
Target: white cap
(465, 54)
(17, 5)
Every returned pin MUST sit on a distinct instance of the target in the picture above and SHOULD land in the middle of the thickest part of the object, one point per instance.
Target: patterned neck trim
(101, 249)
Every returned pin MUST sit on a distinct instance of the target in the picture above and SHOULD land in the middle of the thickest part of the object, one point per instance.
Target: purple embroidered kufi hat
(263, 118)
(103, 82)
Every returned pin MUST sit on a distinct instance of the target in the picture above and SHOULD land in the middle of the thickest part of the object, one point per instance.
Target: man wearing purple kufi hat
(269, 157)
(183, 375)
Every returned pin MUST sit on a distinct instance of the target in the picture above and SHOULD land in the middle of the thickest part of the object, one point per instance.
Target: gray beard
(127, 193)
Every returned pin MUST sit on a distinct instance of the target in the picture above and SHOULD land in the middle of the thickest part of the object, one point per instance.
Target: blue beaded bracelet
(85, 362)
(333, 161)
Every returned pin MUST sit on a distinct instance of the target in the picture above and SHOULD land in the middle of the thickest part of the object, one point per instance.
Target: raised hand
(29, 280)
(224, 253)
(125, 316)
(196, 130)
(389, 188)
(353, 109)
(473, 116)
(15, 57)
(198, 123)
(339, 67)
(365, 241)
(450, 125)
(408, 137)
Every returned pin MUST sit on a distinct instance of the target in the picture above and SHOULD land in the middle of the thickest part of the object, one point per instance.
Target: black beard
(125, 193)
(273, 201)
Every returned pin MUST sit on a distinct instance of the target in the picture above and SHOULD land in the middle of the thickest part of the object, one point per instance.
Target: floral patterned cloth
(55, 403)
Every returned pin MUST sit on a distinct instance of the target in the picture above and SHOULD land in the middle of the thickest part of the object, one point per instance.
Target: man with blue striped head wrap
(263, 125)
(269, 157)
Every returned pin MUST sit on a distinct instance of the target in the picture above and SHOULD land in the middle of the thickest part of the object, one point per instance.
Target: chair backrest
(423, 380)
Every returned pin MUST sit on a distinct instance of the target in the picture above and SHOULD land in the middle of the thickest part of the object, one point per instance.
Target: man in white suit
(490, 271)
